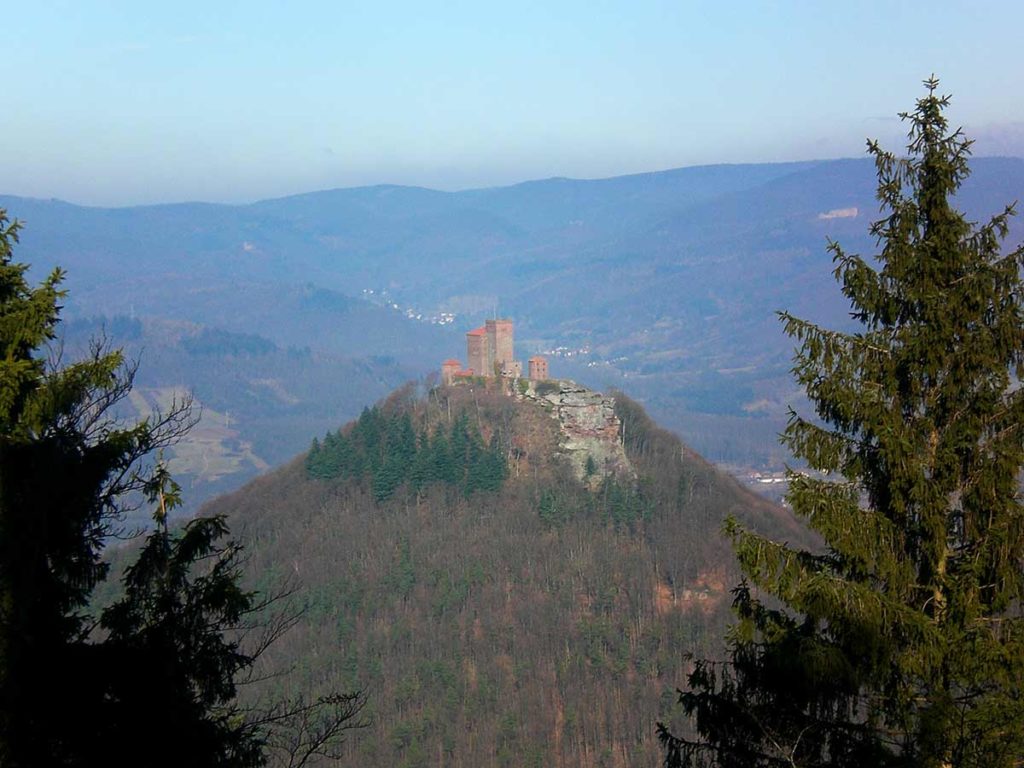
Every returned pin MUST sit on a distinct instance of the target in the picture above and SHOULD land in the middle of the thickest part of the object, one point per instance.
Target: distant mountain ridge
(664, 282)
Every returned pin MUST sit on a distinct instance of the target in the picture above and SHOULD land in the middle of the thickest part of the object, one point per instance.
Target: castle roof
(465, 373)
(481, 331)
(537, 359)
(450, 362)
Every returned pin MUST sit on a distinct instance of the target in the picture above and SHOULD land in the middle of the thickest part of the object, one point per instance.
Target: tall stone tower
(499, 338)
(478, 352)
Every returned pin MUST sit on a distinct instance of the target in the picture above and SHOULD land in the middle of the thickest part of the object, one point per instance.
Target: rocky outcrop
(591, 434)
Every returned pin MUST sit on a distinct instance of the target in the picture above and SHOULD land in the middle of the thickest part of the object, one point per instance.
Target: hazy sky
(126, 102)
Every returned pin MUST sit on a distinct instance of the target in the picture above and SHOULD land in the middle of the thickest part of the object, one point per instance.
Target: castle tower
(499, 337)
(478, 352)
(448, 370)
(538, 368)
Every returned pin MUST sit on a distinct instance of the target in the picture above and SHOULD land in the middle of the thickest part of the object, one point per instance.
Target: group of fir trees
(620, 504)
(900, 641)
(152, 679)
(386, 451)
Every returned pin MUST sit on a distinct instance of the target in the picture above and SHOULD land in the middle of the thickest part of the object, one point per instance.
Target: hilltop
(510, 581)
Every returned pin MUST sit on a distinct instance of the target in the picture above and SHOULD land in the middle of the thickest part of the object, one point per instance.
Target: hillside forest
(502, 614)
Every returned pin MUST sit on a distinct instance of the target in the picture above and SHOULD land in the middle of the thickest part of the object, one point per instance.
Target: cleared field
(211, 450)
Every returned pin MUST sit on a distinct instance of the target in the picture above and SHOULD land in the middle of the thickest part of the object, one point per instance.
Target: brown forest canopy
(536, 624)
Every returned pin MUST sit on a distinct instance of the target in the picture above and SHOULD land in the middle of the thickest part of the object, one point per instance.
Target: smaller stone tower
(448, 370)
(538, 368)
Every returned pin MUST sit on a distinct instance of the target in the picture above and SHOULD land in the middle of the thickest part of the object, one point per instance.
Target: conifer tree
(176, 649)
(67, 696)
(901, 641)
(420, 471)
(65, 462)
(444, 465)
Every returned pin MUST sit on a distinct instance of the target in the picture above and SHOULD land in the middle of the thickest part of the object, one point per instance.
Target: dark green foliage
(552, 510)
(177, 661)
(622, 505)
(488, 470)
(900, 642)
(63, 464)
(543, 388)
(383, 450)
(262, 406)
(77, 691)
(443, 466)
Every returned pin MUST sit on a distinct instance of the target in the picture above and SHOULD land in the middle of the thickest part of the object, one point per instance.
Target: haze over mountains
(664, 284)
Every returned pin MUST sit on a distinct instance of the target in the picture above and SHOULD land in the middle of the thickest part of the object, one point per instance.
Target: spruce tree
(64, 463)
(173, 646)
(899, 641)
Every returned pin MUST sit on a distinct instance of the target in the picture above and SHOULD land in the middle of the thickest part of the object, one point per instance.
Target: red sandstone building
(499, 345)
(538, 368)
(489, 353)
(489, 349)
(477, 352)
(449, 370)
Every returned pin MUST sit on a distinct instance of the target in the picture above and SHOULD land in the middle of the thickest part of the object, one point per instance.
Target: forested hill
(497, 607)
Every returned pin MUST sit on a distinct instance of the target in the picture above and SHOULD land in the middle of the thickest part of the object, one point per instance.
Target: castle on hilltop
(489, 354)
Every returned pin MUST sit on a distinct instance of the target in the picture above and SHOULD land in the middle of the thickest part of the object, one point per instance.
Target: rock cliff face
(590, 430)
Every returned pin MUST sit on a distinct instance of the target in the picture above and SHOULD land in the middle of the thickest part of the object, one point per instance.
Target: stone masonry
(477, 352)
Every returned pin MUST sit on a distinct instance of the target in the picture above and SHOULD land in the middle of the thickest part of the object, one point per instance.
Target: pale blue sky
(124, 102)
